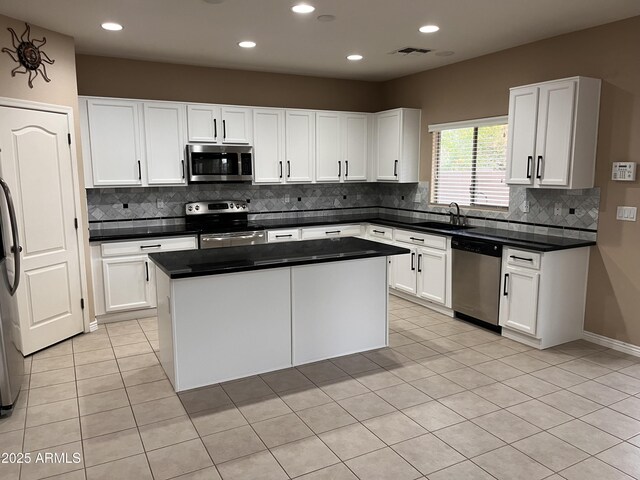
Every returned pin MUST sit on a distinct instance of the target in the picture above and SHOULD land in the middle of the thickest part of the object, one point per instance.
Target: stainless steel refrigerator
(11, 360)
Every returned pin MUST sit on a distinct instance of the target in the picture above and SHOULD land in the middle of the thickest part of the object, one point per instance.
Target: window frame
(475, 124)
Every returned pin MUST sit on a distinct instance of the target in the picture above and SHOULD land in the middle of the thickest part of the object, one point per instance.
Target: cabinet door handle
(346, 168)
(288, 169)
(224, 129)
(146, 270)
(413, 258)
(142, 247)
(505, 292)
(395, 168)
(419, 263)
(339, 168)
(182, 168)
(215, 128)
(539, 167)
(515, 257)
(280, 169)
(417, 239)
(332, 232)
(529, 163)
(284, 236)
(139, 171)
(378, 231)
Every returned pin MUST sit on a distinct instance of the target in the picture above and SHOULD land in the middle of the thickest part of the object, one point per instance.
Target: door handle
(395, 168)
(413, 257)
(529, 163)
(417, 239)
(346, 168)
(378, 231)
(280, 169)
(505, 291)
(139, 171)
(419, 263)
(224, 129)
(288, 169)
(539, 167)
(215, 128)
(146, 270)
(339, 168)
(14, 237)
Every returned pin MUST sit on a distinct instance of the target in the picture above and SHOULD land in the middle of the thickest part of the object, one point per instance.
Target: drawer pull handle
(505, 292)
(142, 247)
(284, 236)
(332, 232)
(416, 239)
(381, 232)
(515, 257)
(413, 257)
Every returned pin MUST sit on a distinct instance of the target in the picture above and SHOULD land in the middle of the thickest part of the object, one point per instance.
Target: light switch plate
(558, 209)
(627, 214)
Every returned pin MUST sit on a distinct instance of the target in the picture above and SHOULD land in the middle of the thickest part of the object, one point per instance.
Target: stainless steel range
(224, 223)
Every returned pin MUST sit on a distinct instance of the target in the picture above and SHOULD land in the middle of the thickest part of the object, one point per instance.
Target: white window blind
(469, 163)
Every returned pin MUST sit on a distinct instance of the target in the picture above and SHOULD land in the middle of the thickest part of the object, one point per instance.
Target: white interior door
(36, 163)
(523, 117)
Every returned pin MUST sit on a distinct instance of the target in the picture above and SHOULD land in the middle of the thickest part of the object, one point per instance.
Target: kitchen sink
(441, 226)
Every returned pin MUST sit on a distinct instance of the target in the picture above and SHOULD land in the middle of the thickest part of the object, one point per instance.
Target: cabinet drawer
(422, 239)
(330, 231)
(523, 258)
(378, 232)
(149, 245)
(284, 235)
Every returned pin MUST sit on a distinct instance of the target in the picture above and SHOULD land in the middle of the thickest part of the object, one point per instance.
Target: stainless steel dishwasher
(476, 278)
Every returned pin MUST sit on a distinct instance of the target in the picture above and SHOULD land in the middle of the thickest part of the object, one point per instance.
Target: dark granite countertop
(216, 261)
(530, 241)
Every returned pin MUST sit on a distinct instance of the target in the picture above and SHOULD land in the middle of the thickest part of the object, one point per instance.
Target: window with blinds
(469, 163)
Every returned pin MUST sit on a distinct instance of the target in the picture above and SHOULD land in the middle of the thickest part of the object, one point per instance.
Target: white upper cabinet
(397, 145)
(115, 142)
(221, 124)
(329, 166)
(300, 145)
(268, 145)
(342, 147)
(553, 129)
(164, 132)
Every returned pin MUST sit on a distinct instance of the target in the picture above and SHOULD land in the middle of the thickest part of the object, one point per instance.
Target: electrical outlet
(526, 206)
(557, 209)
(287, 198)
(416, 198)
(159, 203)
(627, 214)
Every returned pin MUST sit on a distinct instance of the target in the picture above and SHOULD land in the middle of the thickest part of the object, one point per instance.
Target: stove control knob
(237, 205)
(197, 207)
(190, 208)
(244, 206)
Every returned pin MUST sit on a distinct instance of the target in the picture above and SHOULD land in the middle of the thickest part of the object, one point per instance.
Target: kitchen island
(233, 312)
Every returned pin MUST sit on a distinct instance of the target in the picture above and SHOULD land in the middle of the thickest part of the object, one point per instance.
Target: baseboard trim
(612, 343)
(420, 301)
(93, 326)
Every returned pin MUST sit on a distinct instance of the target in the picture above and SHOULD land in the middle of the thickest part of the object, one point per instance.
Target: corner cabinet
(397, 145)
(130, 143)
(553, 129)
(543, 295)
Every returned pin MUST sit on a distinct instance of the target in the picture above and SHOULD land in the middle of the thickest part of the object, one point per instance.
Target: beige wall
(479, 88)
(114, 77)
(62, 90)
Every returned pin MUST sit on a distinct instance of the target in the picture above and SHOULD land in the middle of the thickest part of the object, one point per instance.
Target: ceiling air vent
(410, 51)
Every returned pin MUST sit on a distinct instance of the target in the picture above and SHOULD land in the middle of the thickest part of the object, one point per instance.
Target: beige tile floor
(446, 401)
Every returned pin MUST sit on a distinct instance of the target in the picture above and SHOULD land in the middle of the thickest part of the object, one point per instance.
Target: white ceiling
(197, 33)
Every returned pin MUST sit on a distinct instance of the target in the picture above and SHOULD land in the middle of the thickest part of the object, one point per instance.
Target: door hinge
(82, 303)
(75, 222)
(69, 138)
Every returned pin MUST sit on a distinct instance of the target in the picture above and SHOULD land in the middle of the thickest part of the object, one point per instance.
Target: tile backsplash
(578, 209)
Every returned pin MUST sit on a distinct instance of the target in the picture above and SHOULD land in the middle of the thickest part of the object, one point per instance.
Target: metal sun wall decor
(28, 55)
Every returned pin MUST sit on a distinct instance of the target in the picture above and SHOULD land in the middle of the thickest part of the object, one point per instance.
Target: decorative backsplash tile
(578, 208)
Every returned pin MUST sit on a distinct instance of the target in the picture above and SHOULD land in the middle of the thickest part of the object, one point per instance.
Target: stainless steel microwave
(219, 163)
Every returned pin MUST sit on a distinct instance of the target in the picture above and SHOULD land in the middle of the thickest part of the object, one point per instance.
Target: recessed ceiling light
(213, 2)
(354, 57)
(111, 26)
(446, 53)
(326, 18)
(303, 8)
(247, 44)
(429, 28)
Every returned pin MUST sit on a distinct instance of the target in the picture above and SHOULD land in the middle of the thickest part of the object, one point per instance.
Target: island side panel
(231, 326)
(165, 325)
(338, 308)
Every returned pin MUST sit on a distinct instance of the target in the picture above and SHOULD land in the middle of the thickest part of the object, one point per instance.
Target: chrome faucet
(455, 217)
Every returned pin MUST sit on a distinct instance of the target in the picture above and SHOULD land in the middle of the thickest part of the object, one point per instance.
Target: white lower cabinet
(124, 277)
(330, 231)
(426, 271)
(543, 294)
